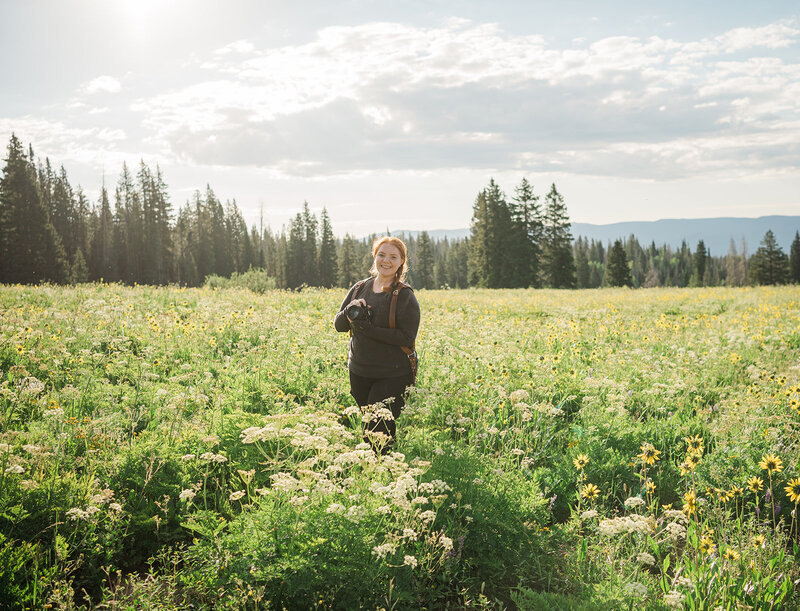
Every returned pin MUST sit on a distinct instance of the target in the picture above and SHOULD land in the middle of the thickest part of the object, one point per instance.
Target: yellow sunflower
(689, 503)
(695, 445)
(755, 484)
(771, 463)
(580, 461)
(707, 546)
(590, 491)
(793, 490)
(730, 554)
(759, 540)
(649, 454)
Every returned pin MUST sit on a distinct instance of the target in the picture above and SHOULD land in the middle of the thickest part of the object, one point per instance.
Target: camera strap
(411, 353)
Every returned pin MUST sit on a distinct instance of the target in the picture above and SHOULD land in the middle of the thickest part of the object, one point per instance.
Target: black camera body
(358, 312)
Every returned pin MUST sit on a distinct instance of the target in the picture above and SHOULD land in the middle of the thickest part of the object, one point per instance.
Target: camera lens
(355, 312)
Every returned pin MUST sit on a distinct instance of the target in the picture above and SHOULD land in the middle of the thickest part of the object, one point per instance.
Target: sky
(397, 114)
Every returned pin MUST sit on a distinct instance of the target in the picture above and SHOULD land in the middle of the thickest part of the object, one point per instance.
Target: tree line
(50, 232)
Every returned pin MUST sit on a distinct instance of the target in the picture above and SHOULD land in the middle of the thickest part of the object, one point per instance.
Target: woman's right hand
(358, 302)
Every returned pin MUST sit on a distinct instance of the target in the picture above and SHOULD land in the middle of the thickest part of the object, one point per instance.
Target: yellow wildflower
(695, 445)
(771, 463)
(649, 454)
(793, 490)
(580, 461)
(590, 491)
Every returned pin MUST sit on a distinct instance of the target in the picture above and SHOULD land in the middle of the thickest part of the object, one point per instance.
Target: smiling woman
(382, 315)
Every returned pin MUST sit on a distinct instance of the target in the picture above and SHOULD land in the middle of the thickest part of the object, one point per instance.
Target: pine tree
(327, 261)
(423, 268)
(479, 246)
(770, 265)
(490, 259)
(794, 259)
(308, 262)
(349, 270)
(700, 259)
(30, 248)
(79, 272)
(582, 271)
(526, 236)
(558, 264)
(101, 249)
(617, 271)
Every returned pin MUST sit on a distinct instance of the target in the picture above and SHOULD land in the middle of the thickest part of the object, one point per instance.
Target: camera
(358, 312)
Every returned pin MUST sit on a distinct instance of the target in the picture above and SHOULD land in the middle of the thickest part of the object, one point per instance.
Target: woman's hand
(358, 302)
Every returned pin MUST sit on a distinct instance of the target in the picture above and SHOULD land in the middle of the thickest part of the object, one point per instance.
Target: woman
(381, 360)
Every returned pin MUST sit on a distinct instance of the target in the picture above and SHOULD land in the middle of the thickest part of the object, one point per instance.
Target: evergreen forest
(51, 232)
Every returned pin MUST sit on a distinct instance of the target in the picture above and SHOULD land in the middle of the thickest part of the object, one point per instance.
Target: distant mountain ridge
(716, 233)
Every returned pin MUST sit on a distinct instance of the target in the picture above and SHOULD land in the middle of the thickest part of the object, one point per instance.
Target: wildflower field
(163, 448)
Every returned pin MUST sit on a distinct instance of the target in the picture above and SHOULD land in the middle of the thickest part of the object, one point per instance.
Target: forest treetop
(51, 232)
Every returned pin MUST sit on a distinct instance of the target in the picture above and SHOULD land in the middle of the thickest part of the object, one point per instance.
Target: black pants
(367, 391)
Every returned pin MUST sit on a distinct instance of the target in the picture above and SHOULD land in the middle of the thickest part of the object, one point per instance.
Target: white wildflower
(381, 551)
(16, 469)
(676, 531)
(335, 508)
(674, 599)
(636, 589)
(645, 558)
(588, 515)
(187, 495)
(76, 513)
(410, 534)
(446, 543)
(427, 516)
(356, 513)
(410, 561)
(115, 507)
(235, 496)
(518, 396)
(634, 501)
(285, 482)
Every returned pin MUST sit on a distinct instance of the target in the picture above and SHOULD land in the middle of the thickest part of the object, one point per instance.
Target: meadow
(167, 448)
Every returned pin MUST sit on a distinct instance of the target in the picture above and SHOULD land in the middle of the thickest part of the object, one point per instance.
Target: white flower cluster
(381, 551)
(285, 482)
(637, 589)
(356, 513)
(626, 524)
(256, 433)
(645, 558)
(211, 457)
(674, 599)
(187, 495)
(589, 514)
(634, 501)
(304, 441)
(518, 396)
(676, 530)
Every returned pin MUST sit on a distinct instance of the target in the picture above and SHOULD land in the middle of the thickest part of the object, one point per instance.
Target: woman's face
(388, 260)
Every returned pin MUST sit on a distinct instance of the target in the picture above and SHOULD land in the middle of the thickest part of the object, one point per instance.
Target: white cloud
(391, 96)
(104, 83)
(239, 47)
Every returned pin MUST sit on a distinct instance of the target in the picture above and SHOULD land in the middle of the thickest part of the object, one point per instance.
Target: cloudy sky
(396, 114)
